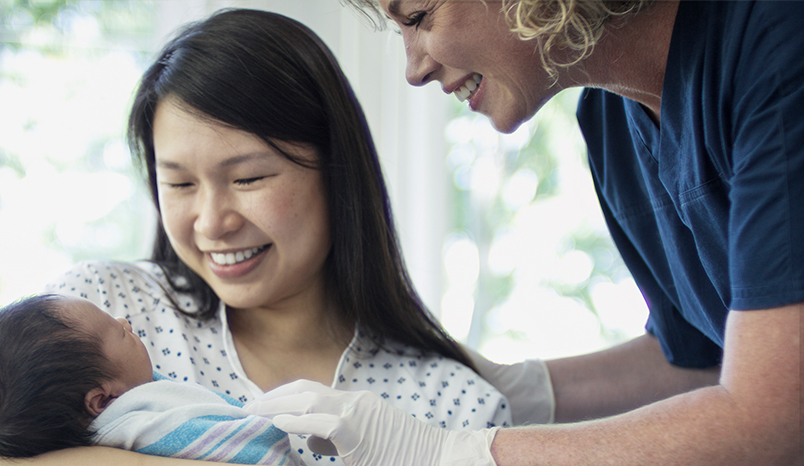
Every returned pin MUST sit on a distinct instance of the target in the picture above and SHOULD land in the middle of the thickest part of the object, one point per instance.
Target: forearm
(620, 379)
(753, 416)
(706, 427)
(100, 455)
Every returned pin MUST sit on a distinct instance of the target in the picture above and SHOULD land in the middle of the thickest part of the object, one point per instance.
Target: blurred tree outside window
(67, 191)
(530, 267)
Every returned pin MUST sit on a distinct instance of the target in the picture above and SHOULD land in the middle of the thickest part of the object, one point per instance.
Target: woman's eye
(178, 185)
(248, 181)
(414, 20)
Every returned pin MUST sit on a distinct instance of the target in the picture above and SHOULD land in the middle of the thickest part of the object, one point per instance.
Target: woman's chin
(506, 124)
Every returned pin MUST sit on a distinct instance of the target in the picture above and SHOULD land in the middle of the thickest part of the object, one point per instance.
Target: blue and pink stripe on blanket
(185, 420)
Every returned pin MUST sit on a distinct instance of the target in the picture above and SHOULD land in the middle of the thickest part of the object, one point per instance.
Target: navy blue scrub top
(708, 211)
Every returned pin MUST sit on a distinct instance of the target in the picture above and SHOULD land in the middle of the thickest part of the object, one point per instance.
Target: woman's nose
(420, 66)
(215, 217)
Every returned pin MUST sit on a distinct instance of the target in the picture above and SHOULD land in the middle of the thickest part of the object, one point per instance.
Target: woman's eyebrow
(169, 165)
(236, 160)
(393, 7)
(242, 158)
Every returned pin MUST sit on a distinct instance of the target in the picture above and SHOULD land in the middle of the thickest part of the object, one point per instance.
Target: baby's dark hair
(47, 367)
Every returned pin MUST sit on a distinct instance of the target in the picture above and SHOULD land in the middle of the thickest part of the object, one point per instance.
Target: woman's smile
(469, 48)
(476, 97)
(234, 264)
(230, 258)
(469, 87)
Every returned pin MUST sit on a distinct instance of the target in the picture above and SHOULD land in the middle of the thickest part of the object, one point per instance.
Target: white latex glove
(526, 384)
(367, 431)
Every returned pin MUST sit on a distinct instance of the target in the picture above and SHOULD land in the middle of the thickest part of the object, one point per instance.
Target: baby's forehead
(83, 313)
(76, 304)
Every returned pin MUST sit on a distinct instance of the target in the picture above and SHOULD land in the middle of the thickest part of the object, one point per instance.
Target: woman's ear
(98, 399)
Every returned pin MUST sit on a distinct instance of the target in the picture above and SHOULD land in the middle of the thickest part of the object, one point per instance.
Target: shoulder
(597, 105)
(116, 287)
(88, 278)
(120, 288)
(738, 47)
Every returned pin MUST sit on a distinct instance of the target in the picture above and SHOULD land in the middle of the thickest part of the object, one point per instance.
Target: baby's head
(62, 361)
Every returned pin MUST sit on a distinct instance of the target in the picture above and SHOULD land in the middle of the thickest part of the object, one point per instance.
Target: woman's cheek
(175, 218)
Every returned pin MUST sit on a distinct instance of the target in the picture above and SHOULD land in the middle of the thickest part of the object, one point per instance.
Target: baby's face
(119, 344)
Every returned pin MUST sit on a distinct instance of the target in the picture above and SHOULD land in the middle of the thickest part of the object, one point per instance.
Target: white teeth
(231, 258)
(470, 84)
(468, 88)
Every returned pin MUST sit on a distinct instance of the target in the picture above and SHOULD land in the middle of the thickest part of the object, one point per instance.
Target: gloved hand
(367, 431)
(526, 384)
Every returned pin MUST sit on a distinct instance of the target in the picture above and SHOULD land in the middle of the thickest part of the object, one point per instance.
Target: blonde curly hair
(566, 24)
(555, 24)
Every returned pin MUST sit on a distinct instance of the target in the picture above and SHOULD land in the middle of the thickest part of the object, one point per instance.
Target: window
(502, 233)
(531, 269)
(67, 190)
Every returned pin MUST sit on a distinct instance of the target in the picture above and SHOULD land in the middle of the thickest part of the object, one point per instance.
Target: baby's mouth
(469, 87)
(231, 258)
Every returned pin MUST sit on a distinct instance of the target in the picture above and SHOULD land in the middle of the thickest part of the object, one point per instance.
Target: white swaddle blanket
(186, 420)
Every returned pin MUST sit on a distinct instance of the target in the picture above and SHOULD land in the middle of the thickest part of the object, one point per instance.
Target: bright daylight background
(502, 233)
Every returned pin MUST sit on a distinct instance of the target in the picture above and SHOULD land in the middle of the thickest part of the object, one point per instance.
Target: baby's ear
(98, 399)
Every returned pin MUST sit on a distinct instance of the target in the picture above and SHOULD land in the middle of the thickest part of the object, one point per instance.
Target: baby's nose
(124, 322)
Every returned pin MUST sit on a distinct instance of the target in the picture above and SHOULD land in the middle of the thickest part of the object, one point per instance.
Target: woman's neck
(631, 57)
(280, 345)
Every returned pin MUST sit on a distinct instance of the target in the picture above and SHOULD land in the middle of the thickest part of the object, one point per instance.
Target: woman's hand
(367, 431)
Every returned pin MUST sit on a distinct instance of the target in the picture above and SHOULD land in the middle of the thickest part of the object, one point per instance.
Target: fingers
(297, 397)
(293, 388)
(310, 408)
(296, 404)
(321, 425)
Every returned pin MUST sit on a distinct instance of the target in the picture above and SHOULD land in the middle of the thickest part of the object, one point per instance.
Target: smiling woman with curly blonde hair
(692, 118)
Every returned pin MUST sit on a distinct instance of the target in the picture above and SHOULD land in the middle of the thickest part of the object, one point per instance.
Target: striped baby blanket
(186, 420)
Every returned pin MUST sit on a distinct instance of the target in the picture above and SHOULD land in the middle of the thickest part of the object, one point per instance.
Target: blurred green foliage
(553, 139)
(46, 25)
(60, 49)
